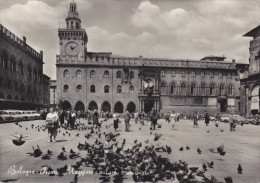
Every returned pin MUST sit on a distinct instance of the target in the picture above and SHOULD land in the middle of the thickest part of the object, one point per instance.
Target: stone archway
(119, 108)
(106, 107)
(131, 107)
(66, 105)
(92, 105)
(79, 106)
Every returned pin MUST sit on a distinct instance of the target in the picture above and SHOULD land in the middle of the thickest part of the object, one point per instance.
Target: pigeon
(208, 131)
(61, 171)
(187, 148)
(239, 169)
(157, 136)
(77, 134)
(169, 149)
(36, 152)
(61, 156)
(181, 149)
(211, 164)
(49, 152)
(199, 151)
(63, 134)
(204, 166)
(228, 179)
(16, 123)
(63, 149)
(19, 140)
(26, 128)
(222, 130)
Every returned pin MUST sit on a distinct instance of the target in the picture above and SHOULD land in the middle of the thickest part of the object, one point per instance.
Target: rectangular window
(183, 74)
(162, 73)
(202, 74)
(212, 74)
(173, 74)
(193, 74)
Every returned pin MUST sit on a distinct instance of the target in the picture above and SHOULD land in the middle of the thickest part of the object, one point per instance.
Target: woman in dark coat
(95, 118)
(207, 119)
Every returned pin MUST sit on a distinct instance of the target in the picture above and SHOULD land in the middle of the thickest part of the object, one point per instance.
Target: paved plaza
(241, 146)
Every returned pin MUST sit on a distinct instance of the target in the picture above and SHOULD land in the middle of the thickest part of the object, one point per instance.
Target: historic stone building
(21, 73)
(250, 86)
(88, 80)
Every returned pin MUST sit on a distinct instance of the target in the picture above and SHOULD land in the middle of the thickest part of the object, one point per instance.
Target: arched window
(29, 72)
(119, 89)
(65, 88)
(106, 74)
(230, 89)
(193, 89)
(34, 75)
(163, 84)
(78, 73)
(132, 74)
(92, 74)
(183, 89)
(4, 59)
(118, 74)
(221, 90)
(203, 89)
(66, 73)
(173, 86)
(131, 89)
(92, 89)
(20, 67)
(79, 87)
(106, 89)
(212, 89)
(13, 63)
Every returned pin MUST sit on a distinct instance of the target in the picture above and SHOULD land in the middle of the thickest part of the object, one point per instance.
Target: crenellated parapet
(21, 43)
(108, 59)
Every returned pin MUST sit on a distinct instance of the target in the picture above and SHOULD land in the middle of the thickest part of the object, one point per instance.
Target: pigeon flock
(141, 161)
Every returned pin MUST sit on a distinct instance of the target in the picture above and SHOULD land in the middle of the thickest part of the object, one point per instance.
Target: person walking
(61, 117)
(116, 121)
(195, 120)
(127, 118)
(136, 115)
(73, 116)
(153, 118)
(231, 122)
(95, 118)
(173, 118)
(207, 119)
(217, 120)
(52, 124)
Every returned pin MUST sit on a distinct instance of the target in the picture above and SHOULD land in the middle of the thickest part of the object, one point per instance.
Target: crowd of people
(68, 119)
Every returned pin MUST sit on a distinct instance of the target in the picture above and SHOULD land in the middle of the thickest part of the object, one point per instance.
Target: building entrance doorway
(223, 105)
(148, 105)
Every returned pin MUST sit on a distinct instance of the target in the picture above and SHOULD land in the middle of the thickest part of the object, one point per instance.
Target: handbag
(50, 125)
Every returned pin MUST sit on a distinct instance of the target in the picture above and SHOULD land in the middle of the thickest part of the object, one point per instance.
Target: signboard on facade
(231, 102)
(255, 103)
(179, 101)
(212, 101)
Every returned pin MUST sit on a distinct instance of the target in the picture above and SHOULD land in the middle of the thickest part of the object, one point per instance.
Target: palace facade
(22, 83)
(101, 80)
(250, 86)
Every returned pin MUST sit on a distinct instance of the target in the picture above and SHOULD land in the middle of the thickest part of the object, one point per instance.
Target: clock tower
(72, 40)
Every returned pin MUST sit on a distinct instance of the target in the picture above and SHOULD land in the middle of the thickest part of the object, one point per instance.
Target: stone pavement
(242, 147)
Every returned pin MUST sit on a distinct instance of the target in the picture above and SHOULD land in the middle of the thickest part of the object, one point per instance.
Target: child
(116, 121)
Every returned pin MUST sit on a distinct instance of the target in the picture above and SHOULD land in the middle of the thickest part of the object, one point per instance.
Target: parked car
(224, 118)
(35, 115)
(212, 118)
(6, 116)
(23, 117)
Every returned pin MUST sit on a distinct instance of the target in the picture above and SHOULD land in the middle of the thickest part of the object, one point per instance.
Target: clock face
(72, 49)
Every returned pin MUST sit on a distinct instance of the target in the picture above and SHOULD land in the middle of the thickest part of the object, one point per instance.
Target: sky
(174, 29)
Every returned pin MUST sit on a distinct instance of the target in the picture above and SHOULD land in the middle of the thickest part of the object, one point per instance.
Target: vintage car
(224, 118)
(35, 115)
(7, 116)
